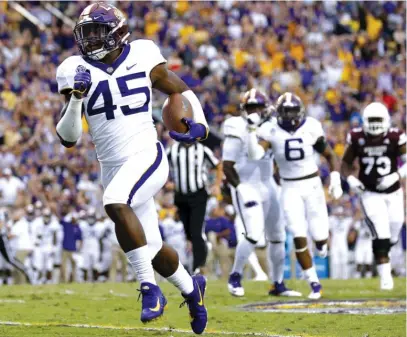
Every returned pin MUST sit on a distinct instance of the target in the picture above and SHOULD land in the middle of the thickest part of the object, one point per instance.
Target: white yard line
(4, 300)
(108, 327)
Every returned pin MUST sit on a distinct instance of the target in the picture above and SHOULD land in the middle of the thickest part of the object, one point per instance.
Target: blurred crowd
(337, 56)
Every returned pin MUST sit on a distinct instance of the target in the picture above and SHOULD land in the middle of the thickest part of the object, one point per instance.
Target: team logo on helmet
(101, 29)
(256, 101)
(290, 111)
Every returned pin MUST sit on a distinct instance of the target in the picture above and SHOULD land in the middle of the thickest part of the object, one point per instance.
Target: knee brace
(381, 247)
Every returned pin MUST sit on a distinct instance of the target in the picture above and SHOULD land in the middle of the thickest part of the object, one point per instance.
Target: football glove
(335, 188)
(387, 181)
(253, 120)
(196, 132)
(355, 184)
(82, 83)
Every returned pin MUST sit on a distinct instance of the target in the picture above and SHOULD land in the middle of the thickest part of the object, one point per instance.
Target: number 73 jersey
(377, 156)
(293, 151)
(118, 106)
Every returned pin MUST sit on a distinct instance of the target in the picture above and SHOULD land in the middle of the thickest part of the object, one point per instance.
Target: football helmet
(101, 29)
(290, 111)
(255, 101)
(376, 119)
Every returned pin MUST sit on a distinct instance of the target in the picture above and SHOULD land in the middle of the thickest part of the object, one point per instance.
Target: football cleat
(316, 293)
(386, 284)
(196, 305)
(153, 302)
(235, 285)
(279, 289)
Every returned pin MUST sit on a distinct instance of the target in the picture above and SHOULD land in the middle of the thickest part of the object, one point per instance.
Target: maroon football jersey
(377, 156)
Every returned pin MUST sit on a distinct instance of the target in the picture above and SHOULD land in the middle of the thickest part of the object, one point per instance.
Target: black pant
(191, 209)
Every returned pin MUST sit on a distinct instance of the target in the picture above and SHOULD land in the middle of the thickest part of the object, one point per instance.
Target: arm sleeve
(231, 149)
(210, 157)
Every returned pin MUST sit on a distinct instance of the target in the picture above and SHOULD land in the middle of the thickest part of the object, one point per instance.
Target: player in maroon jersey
(378, 148)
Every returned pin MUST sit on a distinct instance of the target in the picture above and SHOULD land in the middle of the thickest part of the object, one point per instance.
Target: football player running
(111, 83)
(294, 140)
(254, 195)
(378, 148)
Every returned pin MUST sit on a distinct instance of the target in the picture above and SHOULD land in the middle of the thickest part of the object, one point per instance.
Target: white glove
(335, 188)
(387, 181)
(253, 120)
(355, 184)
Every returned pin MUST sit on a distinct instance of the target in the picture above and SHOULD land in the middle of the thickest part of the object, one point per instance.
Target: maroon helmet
(101, 28)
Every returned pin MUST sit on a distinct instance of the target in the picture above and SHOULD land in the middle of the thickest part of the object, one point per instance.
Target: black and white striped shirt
(189, 165)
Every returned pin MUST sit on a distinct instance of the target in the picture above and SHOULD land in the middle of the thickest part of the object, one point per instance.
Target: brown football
(174, 109)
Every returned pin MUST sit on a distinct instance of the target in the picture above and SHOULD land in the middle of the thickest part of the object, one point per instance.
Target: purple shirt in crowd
(72, 233)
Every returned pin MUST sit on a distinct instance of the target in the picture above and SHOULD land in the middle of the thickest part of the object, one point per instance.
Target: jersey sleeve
(231, 150)
(402, 138)
(265, 132)
(315, 128)
(151, 54)
(65, 75)
(234, 127)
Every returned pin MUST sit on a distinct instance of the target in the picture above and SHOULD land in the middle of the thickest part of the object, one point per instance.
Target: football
(174, 109)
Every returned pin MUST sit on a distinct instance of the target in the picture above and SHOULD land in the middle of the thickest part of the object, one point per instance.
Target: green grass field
(57, 310)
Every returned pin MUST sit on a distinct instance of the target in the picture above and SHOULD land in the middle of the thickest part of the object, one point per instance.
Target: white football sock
(140, 260)
(182, 280)
(384, 270)
(254, 263)
(243, 250)
(311, 275)
(277, 256)
(368, 274)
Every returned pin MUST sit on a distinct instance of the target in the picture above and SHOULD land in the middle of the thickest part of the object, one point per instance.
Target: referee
(189, 165)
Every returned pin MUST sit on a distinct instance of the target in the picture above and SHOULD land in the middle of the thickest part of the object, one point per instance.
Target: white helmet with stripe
(376, 119)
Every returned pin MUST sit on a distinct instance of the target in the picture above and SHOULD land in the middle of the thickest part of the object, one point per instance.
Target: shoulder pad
(234, 127)
(66, 72)
(397, 136)
(354, 135)
(314, 127)
(147, 52)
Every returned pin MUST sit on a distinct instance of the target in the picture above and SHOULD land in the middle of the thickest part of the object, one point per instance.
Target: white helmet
(376, 119)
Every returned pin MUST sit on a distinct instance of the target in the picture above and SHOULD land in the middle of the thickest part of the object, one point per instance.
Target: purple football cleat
(196, 306)
(153, 302)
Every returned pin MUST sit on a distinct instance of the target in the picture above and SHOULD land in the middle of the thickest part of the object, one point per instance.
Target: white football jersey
(174, 233)
(91, 234)
(44, 232)
(363, 231)
(249, 170)
(118, 106)
(339, 228)
(293, 151)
